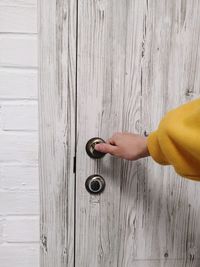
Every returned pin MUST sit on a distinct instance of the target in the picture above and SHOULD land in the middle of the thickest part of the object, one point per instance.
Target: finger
(106, 148)
(114, 138)
(110, 141)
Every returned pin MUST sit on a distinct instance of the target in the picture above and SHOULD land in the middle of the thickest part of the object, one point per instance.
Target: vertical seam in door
(76, 82)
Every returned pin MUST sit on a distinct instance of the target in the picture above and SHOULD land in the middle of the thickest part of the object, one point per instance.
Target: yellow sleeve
(177, 140)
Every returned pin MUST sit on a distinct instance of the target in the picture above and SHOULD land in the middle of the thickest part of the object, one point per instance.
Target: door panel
(109, 226)
(133, 63)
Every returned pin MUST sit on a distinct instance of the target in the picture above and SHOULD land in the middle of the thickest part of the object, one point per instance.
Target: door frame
(57, 109)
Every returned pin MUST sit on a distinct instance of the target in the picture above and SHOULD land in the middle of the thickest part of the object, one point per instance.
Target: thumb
(105, 148)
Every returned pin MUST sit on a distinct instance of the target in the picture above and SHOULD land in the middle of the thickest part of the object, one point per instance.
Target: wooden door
(110, 66)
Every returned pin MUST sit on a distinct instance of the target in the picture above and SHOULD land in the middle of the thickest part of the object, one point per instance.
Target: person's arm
(176, 142)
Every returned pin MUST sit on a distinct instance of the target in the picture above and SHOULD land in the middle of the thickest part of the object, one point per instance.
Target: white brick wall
(19, 196)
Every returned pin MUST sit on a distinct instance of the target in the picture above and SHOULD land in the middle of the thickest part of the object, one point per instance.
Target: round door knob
(95, 184)
(90, 148)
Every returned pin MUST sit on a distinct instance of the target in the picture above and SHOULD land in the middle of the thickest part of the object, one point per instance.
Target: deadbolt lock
(95, 184)
(90, 148)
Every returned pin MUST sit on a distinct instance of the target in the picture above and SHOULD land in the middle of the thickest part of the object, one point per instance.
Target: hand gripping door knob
(92, 153)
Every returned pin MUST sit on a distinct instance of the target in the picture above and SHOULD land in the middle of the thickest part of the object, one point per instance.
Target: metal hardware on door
(90, 148)
(95, 184)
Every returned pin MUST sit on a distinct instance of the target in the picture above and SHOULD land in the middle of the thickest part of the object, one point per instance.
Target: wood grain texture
(169, 78)
(166, 263)
(109, 95)
(57, 131)
(136, 60)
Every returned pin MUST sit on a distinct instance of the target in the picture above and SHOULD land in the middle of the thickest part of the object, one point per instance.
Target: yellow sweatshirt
(177, 140)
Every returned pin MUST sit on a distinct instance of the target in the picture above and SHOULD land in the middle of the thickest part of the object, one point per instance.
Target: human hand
(125, 145)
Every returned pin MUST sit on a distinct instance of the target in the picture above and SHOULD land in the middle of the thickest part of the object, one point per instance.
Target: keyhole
(95, 184)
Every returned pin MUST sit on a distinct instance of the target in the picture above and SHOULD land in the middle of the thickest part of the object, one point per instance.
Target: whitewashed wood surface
(135, 61)
(57, 131)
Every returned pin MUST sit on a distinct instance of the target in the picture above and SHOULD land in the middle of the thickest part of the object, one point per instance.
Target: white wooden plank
(28, 229)
(18, 84)
(19, 117)
(18, 51)
(17, 203)
(19, 177)
(19, 147)
(19, 255)
(18, 19)
(57, 131)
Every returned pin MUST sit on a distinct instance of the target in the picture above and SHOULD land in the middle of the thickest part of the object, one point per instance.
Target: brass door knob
(95, 184)
(90, 148)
